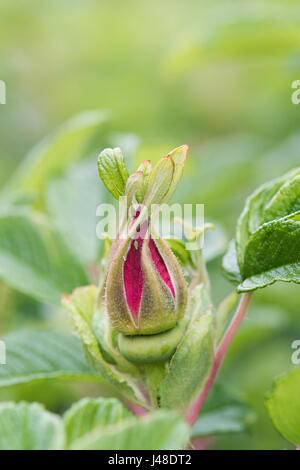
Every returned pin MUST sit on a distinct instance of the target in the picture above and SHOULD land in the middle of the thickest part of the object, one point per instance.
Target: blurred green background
(215, 75)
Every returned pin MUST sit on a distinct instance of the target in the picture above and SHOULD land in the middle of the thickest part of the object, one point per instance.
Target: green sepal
(189, 366)
(134, 183)
(108, 343)
(80, 306)
(159, 182)
(145, 168)
(150, 349)
(178, 156)
(199, 303)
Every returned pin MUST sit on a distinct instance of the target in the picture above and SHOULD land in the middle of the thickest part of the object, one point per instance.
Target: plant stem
(136, 409)
(195, 408)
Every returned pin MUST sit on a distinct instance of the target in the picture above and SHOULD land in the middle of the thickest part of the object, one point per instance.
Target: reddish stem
(195, 408)
(202, 443)
(136, 409)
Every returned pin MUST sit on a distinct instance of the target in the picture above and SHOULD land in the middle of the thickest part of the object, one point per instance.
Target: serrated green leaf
(268, 236)
(56, 152)
(252, 215)
(288, 273)
(161, 430)
(274, 244)
(92, 413)
(35, 259)
(189, 366)
(222, 413)
(27, 426)
(113, 172)
(285, 201)
(272, 254)
(99, 424)
(80, 307)
(283, 405)
(36, 355)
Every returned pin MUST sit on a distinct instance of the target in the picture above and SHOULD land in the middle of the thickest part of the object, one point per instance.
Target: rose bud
(146, 292)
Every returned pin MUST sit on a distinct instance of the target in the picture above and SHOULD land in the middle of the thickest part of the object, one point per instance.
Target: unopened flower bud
(146, 291)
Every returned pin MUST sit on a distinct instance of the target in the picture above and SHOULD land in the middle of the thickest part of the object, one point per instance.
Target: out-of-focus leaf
(91, 424)
(72, 200)
(162, 430)
(180, 251)
(81, 307)
(113, 172)
(27, 426)
(35, 355)
(262, 322)
(92, 413)
(222, 414)
(218, 171)
(189, 366)
(283, 405)
(35, 259)
(230, 419)
(217, 38)
(215, 242)
(54, 153)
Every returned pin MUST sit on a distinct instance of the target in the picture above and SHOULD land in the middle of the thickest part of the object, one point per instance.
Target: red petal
(133, 276)
(132, 271)
(160, 265)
